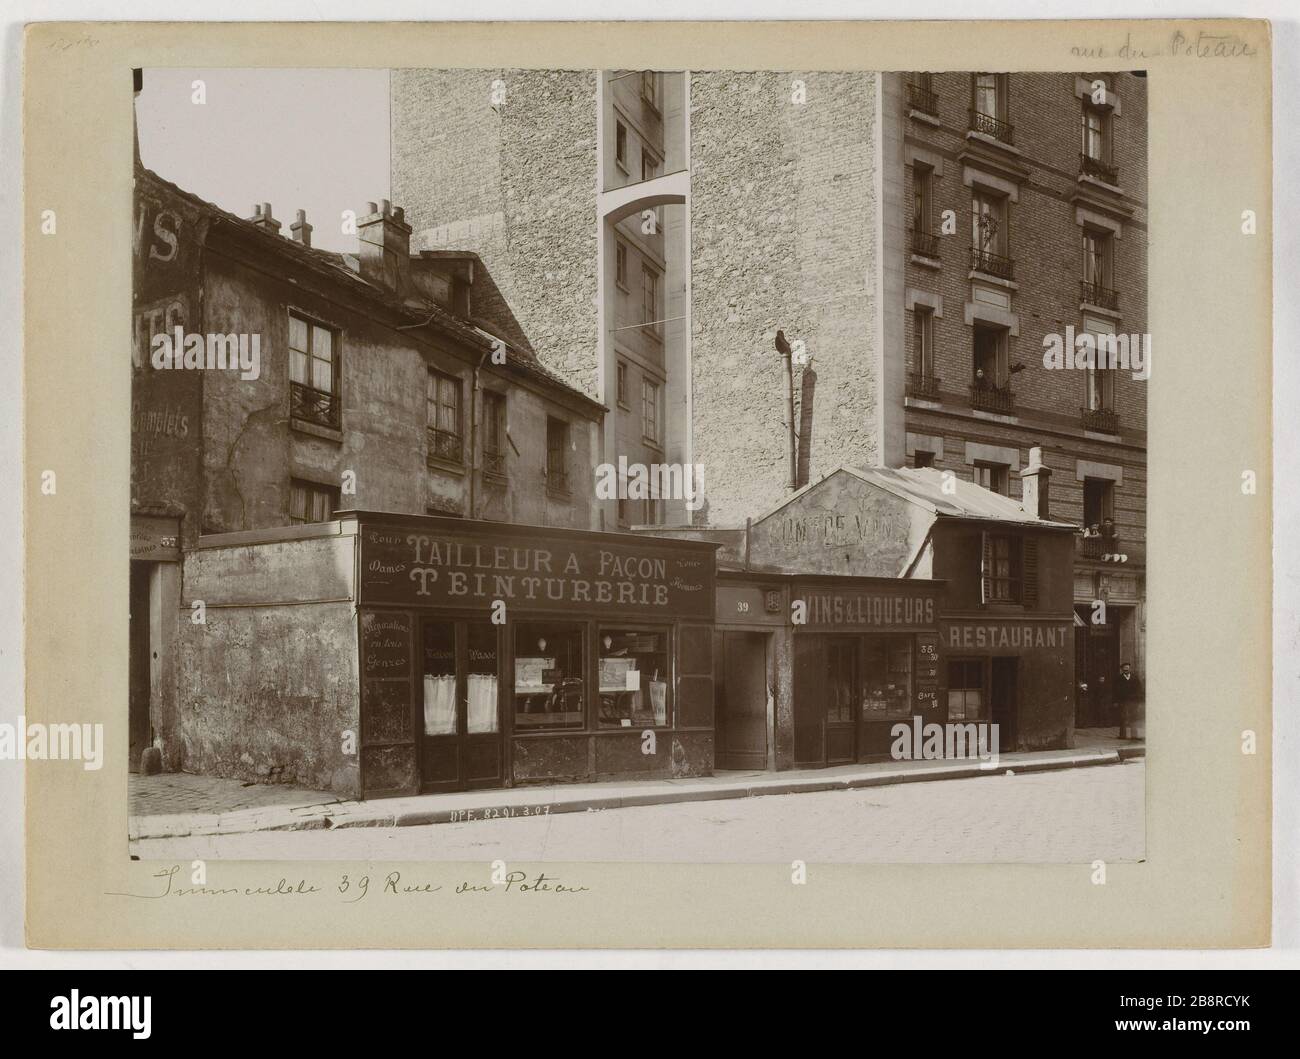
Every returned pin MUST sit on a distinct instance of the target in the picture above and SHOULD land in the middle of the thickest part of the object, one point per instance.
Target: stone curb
(359, 814)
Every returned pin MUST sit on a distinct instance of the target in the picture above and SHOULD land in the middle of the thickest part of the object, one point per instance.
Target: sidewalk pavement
(206, 805)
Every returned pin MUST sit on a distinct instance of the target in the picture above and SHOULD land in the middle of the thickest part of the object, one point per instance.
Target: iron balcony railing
(988, 398)
(922, 99)
(445, 445)
(1102, 420)
(922, 384)
(557, 481)
(925, 243)
(1096, 294)
(1094, 545)
(990, 126)
(993, 264)
(1097, 167)
(310, 405)
(494, 463)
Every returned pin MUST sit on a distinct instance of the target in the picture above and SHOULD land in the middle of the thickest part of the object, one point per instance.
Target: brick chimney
(301, 229)
(1035, 482)
(263, 219)
(385, 255)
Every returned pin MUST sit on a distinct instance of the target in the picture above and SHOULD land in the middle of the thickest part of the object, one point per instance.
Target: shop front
(866, 658)
(493, 655)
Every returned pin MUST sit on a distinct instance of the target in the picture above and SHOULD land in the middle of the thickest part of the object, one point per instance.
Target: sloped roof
(949, 496)
(346, 268)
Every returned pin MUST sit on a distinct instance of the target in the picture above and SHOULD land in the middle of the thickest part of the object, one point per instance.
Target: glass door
(461, 742)
(841, 699)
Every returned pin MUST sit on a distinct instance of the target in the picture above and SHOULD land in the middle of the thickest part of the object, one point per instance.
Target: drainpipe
(783, 347)
(475, 466)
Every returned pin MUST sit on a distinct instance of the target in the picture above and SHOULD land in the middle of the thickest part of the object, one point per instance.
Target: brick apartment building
(1016, 211)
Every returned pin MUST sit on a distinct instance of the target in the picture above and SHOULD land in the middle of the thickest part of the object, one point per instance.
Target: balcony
(925, 243)
(310, 405)
(1096, 167)
(988, 125)
(444, 446)
(557, 481)
(494, 463)
(997, 399)
(1096, 294)
(1101, 548)
(1102, 420)
(922, 99)
(922, 384)
(992, 264)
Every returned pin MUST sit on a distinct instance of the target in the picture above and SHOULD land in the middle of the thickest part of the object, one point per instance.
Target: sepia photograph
(711, 466)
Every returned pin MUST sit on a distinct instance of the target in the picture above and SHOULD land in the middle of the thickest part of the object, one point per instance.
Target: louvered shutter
(1029, 559)
(986, 567)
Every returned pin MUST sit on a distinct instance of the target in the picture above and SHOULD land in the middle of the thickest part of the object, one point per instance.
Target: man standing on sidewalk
(1132, 702)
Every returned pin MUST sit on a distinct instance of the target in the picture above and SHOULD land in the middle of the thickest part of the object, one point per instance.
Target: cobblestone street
(1067, 816)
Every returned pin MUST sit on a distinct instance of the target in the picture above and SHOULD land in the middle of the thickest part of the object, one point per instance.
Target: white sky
(313, 139)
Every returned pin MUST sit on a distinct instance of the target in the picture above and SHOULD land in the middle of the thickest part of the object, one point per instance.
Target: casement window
(989, 223)
(1098, 248)
(989, 363)
(650, 88)
(623, 397)
(654, 511)
(649, 166)
(966, 698)
(313, 372)
(1098, 502)
(1100, 380)
(1000, 568)
(650, 299)
(1009, 569)
(443, 398)
(993, 476)
(651, 410)
(620, 264)
(557, 455)
(494, 432)
(1096, 133)
(990, 96)
(922, 202)
(620, 145)
(923, 341)
(311, 501)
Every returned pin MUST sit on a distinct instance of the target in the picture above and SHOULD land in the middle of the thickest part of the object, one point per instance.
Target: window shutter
(1030, 571)
(986, 566)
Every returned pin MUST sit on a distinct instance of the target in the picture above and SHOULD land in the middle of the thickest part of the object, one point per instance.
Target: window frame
(312, 489)
(1102, 116)
(557, 477)
(923, 340)
(999, 474)
(651, 275)
(438, 437)
(922, 198)
(620, 265)
(980, 663)
(1014, 580)
(1105, 501)
(652, 425)
(998, 86)
(620, 144)
(1098, 249)
(651, 98)
(997, 204)
(333, 398)
(495, 421)
(666, 631)
(1001, 373)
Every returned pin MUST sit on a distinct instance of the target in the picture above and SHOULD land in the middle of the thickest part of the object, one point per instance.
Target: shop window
(313, 372)
(887, 679)
(440, 679)
(966, 690)
(1000, 579)
(550, 692)
(311, 502)
(633, 678)
(557, 455)
(443, 401)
